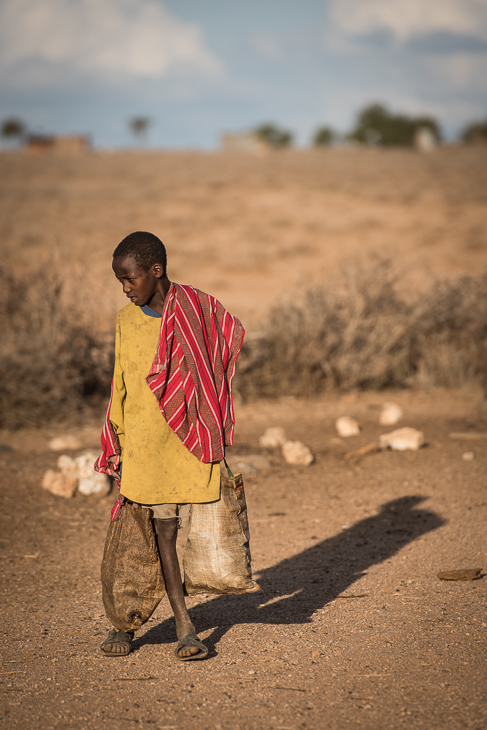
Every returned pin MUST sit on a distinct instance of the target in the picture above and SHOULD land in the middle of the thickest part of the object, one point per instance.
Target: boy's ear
(158, 270)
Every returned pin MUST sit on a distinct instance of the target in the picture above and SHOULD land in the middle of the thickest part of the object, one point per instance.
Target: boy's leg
(166, 533)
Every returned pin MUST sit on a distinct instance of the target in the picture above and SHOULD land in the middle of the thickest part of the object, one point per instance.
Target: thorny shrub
(364, 335)
(368, 336)
(52, 360)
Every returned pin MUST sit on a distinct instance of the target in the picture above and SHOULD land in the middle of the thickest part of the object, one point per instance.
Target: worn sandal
(122, 638)
(191, 640)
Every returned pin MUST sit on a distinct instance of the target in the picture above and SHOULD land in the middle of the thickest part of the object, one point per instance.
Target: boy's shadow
(294, 588)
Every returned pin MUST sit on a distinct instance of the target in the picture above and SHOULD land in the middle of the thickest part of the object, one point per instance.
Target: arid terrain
(247, 229)
(353, 628)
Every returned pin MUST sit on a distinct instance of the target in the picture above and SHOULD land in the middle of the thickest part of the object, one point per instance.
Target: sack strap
(231, 475)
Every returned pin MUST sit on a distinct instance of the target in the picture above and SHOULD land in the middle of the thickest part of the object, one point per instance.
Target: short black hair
(145, 248)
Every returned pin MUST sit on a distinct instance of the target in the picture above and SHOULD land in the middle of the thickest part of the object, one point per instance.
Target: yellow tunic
(157, 468)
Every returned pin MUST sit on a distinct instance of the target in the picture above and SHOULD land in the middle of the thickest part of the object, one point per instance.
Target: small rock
(94, 484)
(467, 574)
(80, 472)
(66, 464)
(347, 426)
(59, 484)
(71, 443)
(273, 438)
(258, 461)
(296, 453)
(402, 439)
(468, 456)
(390, 414)
(90, 481)
(241, 467)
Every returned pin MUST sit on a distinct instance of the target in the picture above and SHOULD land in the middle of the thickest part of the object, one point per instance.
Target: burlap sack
(131, 573)
(217, 554)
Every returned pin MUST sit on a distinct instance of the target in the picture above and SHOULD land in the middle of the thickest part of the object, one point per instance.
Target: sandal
(191, 640)
(122, 638)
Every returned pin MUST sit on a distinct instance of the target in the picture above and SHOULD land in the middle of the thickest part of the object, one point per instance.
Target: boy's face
(138, 285)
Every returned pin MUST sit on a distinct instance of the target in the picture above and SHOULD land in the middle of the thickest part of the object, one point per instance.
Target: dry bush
(368, 336)
(52, 362)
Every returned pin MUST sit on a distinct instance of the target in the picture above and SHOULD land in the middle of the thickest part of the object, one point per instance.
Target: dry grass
(247, 229)
(368, 336)
(52, 361)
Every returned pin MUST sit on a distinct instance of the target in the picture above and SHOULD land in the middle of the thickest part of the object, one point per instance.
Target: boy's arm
(113, 434)
(118, 395)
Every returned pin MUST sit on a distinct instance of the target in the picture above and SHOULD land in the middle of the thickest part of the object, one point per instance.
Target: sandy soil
(245, 228)
(352, 628)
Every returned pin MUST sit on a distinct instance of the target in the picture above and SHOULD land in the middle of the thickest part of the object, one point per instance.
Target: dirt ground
(352, 627)
(247, 229)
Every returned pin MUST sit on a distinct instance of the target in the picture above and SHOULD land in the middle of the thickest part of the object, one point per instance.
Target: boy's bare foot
(190, 647)
(166, 533)
(118, 643)
(184, 628)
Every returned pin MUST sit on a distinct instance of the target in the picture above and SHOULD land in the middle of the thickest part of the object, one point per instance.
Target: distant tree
(13, 129)
(323, 136)
(274, 136)
(139, 126)
(475, 132)
(376, 125)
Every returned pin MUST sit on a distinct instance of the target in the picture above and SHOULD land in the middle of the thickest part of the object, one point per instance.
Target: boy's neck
(159, 297)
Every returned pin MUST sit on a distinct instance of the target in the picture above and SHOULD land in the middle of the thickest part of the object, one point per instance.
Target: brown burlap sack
(217, 555)
(131, 573)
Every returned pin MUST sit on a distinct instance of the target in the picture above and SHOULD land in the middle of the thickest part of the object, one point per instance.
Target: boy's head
(139, 263)
(145, 248)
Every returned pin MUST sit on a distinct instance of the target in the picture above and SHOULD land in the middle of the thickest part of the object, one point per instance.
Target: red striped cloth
(191, 377)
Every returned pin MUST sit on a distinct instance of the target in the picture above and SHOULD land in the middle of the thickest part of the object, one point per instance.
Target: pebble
(257, 462)
(390, 414)
(402, 439)
(77, 473)
(273, 437)
(347, 426)
(468, 456)
(297, 454)
(59, 484)
(70, 443)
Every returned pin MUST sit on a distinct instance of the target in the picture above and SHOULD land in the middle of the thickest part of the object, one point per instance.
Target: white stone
(80, 472)
(66, 464)
(297, 454)
(390, 414)
(71, 443)
(347, 426)
(243, 467)
(273, 438)
(90, 481)
(94, 484)
(402, 439)
(256, 462)
(468, 456)
(59, 484)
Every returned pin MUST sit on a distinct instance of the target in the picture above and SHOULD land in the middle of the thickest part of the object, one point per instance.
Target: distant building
(40, 144)
(244, 142)
(425, 140)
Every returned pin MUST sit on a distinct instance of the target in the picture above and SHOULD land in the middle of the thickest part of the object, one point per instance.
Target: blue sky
(200, 67)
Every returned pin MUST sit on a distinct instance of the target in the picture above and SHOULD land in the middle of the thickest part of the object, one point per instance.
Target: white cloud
(138, 38)
(406, 19)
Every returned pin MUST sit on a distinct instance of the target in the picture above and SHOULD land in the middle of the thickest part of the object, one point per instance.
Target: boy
(180, 345)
